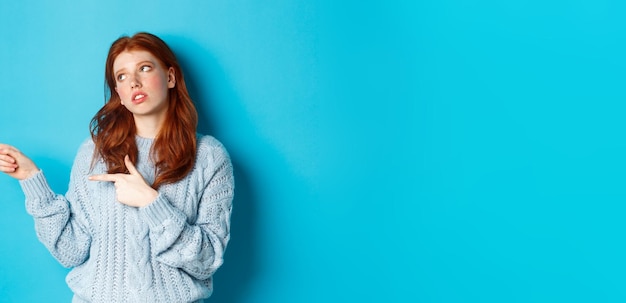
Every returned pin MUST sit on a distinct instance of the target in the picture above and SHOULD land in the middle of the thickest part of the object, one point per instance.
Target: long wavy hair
(113, 128)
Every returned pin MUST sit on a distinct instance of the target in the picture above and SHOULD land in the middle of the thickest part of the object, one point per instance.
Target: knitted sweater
(166, 251)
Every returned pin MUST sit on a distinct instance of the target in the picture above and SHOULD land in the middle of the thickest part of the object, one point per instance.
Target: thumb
(129, 165)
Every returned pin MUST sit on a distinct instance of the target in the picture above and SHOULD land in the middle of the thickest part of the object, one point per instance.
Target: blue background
(384, 151)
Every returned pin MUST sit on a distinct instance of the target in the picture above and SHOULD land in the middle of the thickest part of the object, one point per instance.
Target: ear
(171, 78)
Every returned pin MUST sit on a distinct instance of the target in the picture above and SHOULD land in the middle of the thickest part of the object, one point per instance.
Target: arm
(197, 249)
(56, 224)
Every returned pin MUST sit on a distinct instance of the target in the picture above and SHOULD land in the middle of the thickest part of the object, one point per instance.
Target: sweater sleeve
(56, 221)
(195, 248)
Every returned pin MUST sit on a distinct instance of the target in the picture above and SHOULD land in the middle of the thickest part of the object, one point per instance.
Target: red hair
(113, 127)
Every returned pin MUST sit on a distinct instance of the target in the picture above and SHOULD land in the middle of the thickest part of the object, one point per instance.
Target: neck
(148, 126)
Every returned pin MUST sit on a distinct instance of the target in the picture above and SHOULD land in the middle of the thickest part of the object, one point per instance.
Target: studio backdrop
(384, 151)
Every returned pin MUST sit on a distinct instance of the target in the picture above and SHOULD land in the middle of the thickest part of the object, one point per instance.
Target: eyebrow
(144, 61)
(138, 64)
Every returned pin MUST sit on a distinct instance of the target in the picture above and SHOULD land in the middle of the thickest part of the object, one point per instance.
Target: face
(142, 83)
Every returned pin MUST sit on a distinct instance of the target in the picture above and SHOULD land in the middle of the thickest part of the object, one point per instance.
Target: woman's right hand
(15, 164)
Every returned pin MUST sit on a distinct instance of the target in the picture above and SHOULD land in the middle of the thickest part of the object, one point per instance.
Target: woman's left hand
(131, 189)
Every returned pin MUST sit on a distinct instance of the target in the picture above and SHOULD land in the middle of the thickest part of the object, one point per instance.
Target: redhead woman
(147, 214)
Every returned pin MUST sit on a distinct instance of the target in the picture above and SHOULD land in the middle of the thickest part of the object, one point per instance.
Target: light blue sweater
(164, 252)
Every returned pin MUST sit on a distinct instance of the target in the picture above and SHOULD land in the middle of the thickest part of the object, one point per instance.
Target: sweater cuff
(36, 187)
(158, 212)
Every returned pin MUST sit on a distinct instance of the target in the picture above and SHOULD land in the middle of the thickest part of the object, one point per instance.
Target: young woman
(147, 214)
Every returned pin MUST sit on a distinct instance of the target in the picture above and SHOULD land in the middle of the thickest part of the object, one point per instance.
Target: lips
(138, 97)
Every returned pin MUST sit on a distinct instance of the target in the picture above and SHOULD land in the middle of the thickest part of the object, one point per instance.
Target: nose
(134, 82)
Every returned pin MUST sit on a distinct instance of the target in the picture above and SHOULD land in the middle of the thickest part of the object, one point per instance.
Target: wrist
(151, 195)
(29, 173)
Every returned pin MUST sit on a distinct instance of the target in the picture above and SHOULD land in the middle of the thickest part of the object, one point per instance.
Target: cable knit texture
(164, 252)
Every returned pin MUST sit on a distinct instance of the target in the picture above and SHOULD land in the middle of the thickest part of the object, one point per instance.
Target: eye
(121, 77)
(145, 68)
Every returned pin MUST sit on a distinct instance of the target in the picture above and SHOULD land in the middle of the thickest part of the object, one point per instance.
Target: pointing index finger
(104, 177)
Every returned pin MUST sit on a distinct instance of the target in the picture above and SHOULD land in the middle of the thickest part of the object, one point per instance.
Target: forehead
(128, 59)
